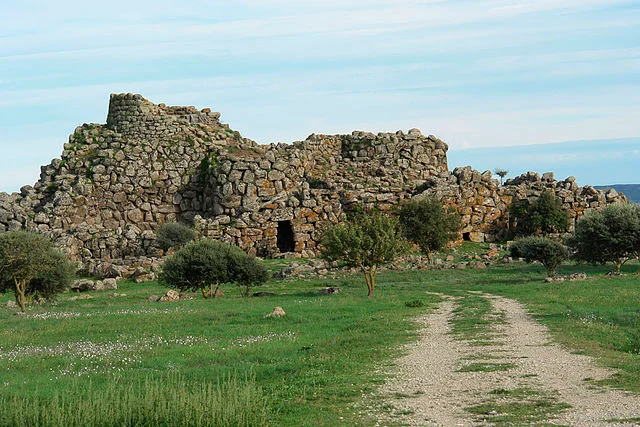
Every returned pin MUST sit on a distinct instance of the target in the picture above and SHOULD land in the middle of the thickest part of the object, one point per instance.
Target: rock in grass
(170, 296)
(109, 284)
(277, 312)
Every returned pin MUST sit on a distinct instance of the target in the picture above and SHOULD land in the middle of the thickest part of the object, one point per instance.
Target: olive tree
(541, 216)
(549, 253)
(427, 223)
(207, 264)
(31, 266)
(610, 235)
(246, 271)
(366, 241)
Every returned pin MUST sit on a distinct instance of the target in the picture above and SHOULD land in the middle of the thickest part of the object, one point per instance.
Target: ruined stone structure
(151, 164)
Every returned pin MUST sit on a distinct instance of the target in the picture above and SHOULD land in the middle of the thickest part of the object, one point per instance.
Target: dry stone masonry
(150, 164)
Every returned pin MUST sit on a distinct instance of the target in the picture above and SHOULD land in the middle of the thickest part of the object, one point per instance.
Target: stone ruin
(150, 164)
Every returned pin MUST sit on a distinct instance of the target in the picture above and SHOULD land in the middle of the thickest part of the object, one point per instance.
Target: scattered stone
(277, 312)
(154, 298)
(331, 291)
(83, 285)
(170, 296)
(12, 304)
(109, 284)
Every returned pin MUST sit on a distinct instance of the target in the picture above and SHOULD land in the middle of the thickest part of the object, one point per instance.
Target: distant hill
(632, 191)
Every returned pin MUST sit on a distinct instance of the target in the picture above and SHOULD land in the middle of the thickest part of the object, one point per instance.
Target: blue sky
(479, 73)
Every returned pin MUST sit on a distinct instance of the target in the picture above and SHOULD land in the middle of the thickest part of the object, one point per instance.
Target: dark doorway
(466, 236)
(285, 237)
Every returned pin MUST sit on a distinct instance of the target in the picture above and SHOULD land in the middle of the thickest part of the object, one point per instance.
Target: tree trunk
(370, 279)
(21, 299)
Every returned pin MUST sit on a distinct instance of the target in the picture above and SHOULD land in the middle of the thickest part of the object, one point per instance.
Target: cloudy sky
(476, 73)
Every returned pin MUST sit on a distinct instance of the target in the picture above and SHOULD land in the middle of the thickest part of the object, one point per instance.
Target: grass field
(315, 366)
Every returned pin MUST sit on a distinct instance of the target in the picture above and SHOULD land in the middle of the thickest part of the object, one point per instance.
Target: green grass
(521, 406)
(159, 402)
(313, 366)
(486, 367)
(474, 319)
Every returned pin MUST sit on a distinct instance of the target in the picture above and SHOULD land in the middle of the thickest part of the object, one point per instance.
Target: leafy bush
(427, 223)
(55, 279)
(246, 271)
(174, 235)
(542, 216)
(365, 241)
(416, 303)
(610, 235)
(546, 251)
(30, 266)
(208, 264)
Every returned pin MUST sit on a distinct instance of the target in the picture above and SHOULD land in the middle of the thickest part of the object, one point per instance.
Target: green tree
(56, 278)
(208, 264)
(501, 173)
(541, 216)
(174, 235)
(610, 235)
(427, 223)
(246, 271)
(366, 242)
(549, 253)
(30, 266)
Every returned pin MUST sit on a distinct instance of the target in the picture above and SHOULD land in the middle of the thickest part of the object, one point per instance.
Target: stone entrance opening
(466, 236)
(285, 237)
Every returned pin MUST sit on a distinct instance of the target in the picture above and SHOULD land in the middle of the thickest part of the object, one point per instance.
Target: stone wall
(150, 164)
(484, 204)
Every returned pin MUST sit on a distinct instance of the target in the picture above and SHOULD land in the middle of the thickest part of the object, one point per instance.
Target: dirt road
(519, 377)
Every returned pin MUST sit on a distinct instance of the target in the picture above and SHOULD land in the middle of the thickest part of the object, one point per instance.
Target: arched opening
(466, 236)
(285, 237)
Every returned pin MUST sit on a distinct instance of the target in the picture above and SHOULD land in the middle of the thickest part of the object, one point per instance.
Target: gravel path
(429, 389)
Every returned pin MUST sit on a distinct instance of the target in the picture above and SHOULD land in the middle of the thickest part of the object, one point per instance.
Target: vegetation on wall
(540, 216)
(427, 223)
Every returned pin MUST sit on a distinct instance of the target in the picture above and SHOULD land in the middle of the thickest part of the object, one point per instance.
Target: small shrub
(416, 303)
(174, 235)
(546, 251)
(610, 235)
(208, 264)
(246, 271)
(55, 279)
(31, 267)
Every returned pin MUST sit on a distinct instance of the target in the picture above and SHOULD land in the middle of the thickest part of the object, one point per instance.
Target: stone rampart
(150, 164)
